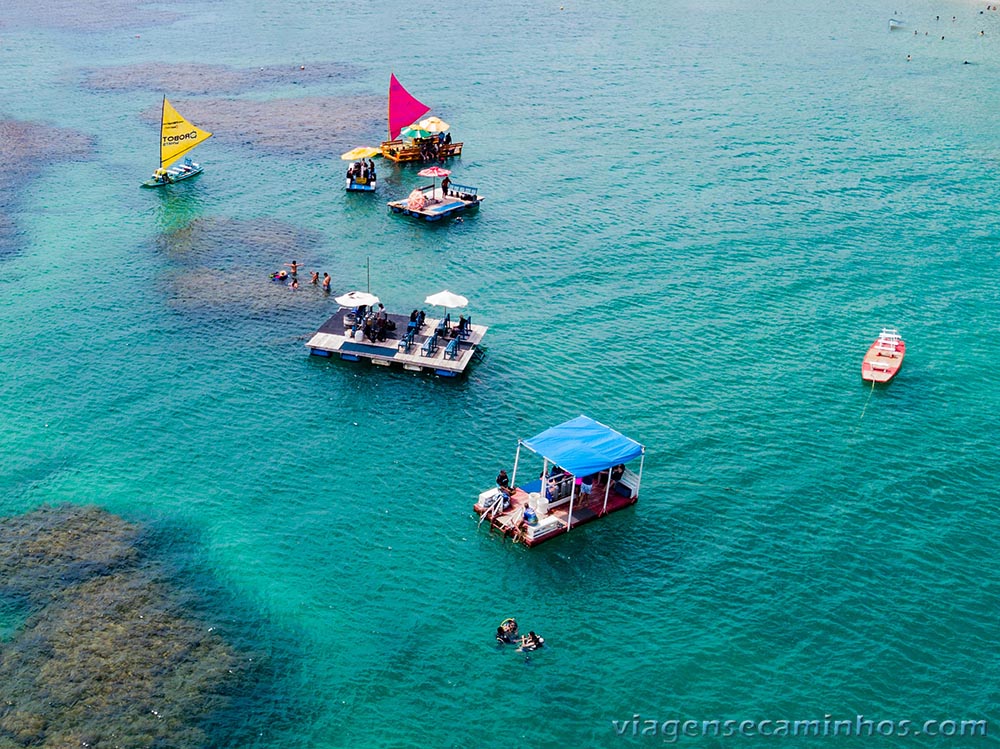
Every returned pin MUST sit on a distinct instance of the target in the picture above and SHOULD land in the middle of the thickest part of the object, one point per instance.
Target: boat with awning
(587, 473)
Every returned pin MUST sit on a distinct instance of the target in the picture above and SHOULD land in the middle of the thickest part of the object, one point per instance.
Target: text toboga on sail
(177, 137)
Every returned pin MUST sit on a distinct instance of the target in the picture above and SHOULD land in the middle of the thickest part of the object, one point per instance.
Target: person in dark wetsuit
(507, 632)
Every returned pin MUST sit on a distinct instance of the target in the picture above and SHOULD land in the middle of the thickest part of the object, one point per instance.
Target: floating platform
(406, 151)
(427, 350)
(438, 205)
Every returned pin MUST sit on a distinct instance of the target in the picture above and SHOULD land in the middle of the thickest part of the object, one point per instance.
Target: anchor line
(867, 401)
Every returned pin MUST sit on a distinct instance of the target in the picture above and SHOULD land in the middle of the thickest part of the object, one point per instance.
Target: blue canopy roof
(583, 446)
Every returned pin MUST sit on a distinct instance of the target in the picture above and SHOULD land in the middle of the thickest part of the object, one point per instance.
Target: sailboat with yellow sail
(177, 137)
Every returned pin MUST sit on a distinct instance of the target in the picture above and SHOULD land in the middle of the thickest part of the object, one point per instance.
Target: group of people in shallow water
(283, 276)
(507, 634)
(362, 172)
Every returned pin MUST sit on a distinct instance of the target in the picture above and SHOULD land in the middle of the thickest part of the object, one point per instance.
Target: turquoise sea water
(698, 217)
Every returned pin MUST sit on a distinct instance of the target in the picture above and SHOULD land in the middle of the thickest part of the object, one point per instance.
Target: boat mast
(163, 107)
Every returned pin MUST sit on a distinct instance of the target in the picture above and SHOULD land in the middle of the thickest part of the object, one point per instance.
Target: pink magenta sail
(403, 108)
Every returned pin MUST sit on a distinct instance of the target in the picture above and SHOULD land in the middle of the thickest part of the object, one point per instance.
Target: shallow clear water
(698, 217)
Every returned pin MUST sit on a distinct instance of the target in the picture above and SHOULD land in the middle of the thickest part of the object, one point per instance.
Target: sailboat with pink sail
(412, 139)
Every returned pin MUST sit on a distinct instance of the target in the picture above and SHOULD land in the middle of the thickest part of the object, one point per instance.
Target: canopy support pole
(607, 491)
(572, 496)
(639, 482)
(544, 489)
(517, 457)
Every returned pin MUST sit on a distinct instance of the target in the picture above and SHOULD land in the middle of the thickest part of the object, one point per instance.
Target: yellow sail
(177, 135)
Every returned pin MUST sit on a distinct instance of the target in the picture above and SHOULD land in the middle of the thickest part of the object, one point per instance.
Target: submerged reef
(106, 652)
(27, 148)
(192, 79)
(95, 15)
(223, 264)
(315, 126)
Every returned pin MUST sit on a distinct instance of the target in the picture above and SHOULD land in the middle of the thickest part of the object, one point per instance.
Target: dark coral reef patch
(193, 79)
(95, 15)
(108, 654)
(224, 263)
(27, 148)
(313, 126)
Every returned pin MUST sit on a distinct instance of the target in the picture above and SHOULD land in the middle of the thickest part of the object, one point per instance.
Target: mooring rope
(866, 401)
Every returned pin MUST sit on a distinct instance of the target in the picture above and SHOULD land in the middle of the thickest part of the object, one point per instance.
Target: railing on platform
(406, 150)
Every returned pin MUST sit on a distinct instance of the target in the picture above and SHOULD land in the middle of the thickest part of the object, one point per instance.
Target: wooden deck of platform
(438, 205)
(334, 339)
(403, 151)
(557, 521)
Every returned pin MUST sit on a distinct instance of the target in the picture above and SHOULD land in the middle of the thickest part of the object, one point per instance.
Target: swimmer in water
(507, 631)
(530, 642)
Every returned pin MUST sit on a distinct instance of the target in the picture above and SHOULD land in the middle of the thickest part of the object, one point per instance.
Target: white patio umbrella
(356, 299)
(446, 299)
(434, 125)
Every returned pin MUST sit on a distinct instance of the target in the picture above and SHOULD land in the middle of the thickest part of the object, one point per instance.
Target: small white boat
(895, 23)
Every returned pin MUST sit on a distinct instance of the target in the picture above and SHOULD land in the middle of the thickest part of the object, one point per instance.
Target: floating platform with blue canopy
(584, 476)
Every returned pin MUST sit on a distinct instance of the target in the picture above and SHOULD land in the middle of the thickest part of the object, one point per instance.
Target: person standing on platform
(445, 183)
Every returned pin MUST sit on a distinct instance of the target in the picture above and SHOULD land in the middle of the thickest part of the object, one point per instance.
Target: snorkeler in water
(507, 632)
(530, 642)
